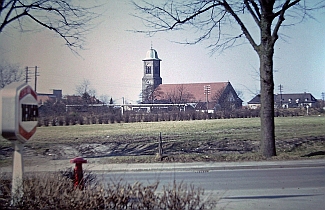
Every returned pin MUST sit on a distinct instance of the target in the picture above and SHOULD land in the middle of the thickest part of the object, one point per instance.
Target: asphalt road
(272, 188)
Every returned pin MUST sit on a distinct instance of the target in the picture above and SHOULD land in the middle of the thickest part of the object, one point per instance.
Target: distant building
(200, 96)
(293, 100)
(43, 97)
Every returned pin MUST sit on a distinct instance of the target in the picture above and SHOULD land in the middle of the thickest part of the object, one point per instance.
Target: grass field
(201, 137)
(240, 129)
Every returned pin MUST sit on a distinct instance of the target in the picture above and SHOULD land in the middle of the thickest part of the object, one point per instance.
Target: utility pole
(207, 90)
(281, 90)
(122, 108)
(36, 75)
(27, 75)
(323, 97)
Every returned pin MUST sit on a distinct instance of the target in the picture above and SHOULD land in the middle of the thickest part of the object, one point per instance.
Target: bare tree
(179, 95)
(84, 90)
(9, 73)
(104, 99)
(150, 94)
(210, 18)
(83, 87)
(66, 18)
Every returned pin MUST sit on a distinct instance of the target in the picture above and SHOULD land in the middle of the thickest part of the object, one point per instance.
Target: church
(211, 96)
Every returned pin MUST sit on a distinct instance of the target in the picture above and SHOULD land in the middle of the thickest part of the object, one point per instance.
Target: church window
(148, 69)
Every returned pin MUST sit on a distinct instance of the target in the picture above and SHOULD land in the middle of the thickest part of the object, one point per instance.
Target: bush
(93, 120)
(46, 122)
(126, 117)
(56, 191)
(81, 120)
(61, 121)
(67, 120)
(54, 122)
(112, 119)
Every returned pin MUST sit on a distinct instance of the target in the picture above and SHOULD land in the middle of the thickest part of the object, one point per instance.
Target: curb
(202, 167)
(197, 167)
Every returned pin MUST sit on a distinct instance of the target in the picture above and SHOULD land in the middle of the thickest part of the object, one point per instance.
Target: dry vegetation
(56, 191)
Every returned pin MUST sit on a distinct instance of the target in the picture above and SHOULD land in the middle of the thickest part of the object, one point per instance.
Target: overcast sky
(112, 61)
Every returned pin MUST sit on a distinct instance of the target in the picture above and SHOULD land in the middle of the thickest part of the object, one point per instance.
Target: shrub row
(131, 117)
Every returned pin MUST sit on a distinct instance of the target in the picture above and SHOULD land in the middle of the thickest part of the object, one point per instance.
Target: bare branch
(69, 21)
(9, 73)
(209, 19)
(242, 25)
(255, 13)
(281, 18)
(204, 16)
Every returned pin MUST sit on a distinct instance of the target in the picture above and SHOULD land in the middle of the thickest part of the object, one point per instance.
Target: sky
(112, 59)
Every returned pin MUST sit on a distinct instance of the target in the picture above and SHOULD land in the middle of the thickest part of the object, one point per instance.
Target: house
(43, 97)
(200, 96)
(255, 103)
(292, 100)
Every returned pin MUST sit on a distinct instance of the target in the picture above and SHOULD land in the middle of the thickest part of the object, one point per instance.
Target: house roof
(196, 90)
(255, 100)
(297, 97)
(301, 97)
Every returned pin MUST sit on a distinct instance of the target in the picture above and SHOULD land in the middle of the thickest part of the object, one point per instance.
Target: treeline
(109, 116)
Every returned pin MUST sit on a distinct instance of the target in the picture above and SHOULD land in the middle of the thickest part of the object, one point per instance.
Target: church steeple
(151, 73)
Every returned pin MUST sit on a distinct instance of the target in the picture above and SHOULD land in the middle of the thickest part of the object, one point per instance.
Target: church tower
(151, 74)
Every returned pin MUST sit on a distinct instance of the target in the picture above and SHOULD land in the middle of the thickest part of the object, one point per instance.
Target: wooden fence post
(160, 149)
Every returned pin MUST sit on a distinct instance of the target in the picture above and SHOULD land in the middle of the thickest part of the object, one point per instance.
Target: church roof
(152, 55)
(196, 90)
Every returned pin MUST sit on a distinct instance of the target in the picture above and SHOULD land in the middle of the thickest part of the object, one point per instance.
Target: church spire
(151, 73)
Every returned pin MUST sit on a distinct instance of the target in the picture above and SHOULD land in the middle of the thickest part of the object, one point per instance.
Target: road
(273, 188)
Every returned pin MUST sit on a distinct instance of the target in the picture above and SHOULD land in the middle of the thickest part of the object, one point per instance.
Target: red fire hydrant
(78, 173)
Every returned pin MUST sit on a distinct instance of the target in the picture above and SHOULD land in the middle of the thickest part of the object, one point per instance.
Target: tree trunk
(266, 52)
(267, 106)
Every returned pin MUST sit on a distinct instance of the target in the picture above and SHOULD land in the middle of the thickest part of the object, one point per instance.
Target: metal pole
(17, 173)
(281, 90)
(122, 108)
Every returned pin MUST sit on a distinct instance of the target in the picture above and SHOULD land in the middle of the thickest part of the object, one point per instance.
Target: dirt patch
(174, 151)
